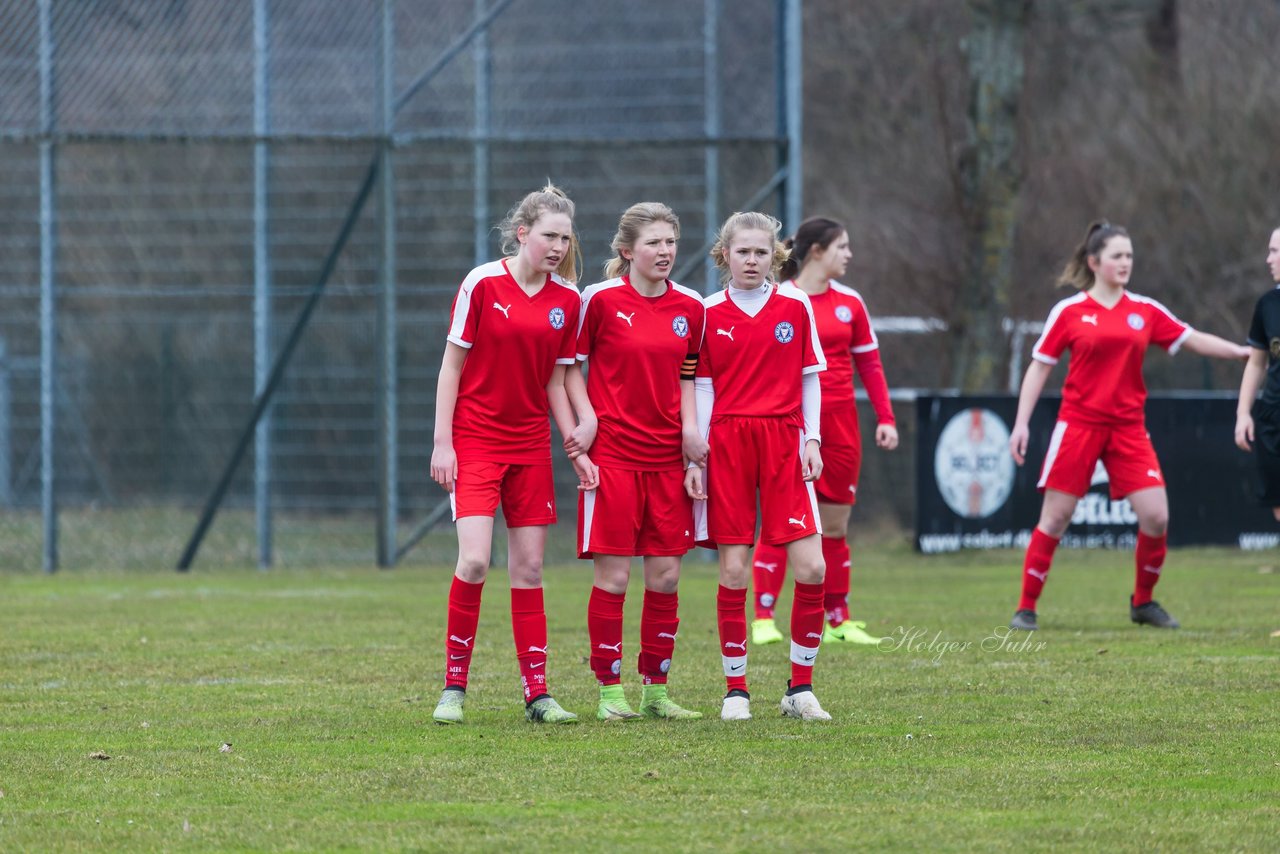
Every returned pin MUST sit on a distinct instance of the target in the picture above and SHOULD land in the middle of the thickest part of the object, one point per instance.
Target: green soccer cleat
(850, 631)
(613, 705)
(654, 703)
(764, 631)
(545, 710)
(449, 709)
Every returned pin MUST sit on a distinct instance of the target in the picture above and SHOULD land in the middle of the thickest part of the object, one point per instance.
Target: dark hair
(1077, 273)
(816, 231)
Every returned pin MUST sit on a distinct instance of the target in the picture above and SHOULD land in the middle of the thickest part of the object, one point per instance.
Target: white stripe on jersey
(1177, 344)
(800, 296)
(850, 292)
(463, 304)
(1054, 313)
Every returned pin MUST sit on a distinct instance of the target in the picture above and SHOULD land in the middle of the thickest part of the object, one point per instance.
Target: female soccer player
(1107, 329)
(758, 396)
(819, 255)
(1259, 418)
(511, 336)
(639, 335)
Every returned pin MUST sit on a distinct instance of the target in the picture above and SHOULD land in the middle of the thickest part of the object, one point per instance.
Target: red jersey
(1104, 385)
(634, 346)
(844, 328)
(755, 363)
(514, 341)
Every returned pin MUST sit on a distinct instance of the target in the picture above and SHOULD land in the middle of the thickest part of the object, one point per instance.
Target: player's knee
(1154, 524)
(472, 567)
(810, 572)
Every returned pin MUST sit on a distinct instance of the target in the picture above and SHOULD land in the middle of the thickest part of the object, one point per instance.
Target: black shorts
(1266, 450)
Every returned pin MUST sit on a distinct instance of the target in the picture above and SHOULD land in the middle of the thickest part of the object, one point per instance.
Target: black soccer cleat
(1024, 619)
(1151, 614)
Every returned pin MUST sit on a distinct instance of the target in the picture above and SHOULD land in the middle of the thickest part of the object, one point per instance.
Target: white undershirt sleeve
(704, 397)
(811, 406)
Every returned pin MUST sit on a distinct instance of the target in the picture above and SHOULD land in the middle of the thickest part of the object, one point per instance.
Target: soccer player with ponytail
(1107, 330)
(638, 336)
(759, 403)
(511, 337)
(819, 256)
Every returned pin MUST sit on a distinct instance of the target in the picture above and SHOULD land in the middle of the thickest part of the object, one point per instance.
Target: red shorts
(841, 458)
(1126, 453)
(635, 513)
(527, 493)
(750, 454)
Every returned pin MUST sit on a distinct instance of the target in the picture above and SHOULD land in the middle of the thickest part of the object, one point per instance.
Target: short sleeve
(464, 322)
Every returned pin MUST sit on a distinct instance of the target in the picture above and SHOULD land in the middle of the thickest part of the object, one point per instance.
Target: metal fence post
(791, 89)
(480, 148)
(261, 279)
(711, 127)
(48, 276)
(388, 504)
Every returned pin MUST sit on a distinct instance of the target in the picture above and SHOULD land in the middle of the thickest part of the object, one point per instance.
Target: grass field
(1096, 735)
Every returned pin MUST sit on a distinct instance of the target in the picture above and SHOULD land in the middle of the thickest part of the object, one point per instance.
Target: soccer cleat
(850, 631)
(764, 631)
(803, 705)
(1024, 619)
(1151, 614)
(655, 703)
(449, 709)
(613, 705)
(736, 706)
(545, 710)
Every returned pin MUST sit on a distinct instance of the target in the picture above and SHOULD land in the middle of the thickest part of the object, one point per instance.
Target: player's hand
(693, 484)
(812, 461)
(886, 437)
(588, 473)
(1018, 439)
(444, 466)
(1244, 432)
(695, 448)
(580, 440)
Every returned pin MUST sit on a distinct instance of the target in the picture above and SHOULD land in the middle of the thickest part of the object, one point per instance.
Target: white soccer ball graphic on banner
(972, 465)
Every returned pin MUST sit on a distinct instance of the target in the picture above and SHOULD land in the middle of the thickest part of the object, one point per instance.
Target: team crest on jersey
(843, 314)
(556, 316)
(784, 332)
(680, 326)
(1136, 321)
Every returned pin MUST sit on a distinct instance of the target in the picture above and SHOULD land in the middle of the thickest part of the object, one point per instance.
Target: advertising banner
(969, 493)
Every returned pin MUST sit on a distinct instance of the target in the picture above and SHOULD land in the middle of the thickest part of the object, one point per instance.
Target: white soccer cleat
(736, 708)
(805, 706)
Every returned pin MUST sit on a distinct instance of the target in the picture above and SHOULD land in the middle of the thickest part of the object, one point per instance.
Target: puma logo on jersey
(742, 646)
(549, 507)
(504, 310)
(1041, 574)
(627, 317)
(853, 490)
(797, 522)
(767, 567)
(617, 647)
(728, 334)
(466, 642)
(666, 635)
(1153, 473)
(1089, 318)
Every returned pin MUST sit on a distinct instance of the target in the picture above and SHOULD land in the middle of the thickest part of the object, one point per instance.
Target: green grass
(1098, 735)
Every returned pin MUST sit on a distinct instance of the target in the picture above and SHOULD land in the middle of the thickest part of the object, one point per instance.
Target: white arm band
(704, 397)
(811, 406)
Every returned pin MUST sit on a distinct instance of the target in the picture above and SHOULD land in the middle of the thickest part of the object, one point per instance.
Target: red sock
(835, 598)
(768, 569)
(731, 617)
(1035, 568)
(604, 627)
(658, 627)
(460, 631)
(806, 631)
(529, 628)
(1149, 558)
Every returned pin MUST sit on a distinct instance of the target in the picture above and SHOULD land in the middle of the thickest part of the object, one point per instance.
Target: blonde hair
(1076, 273)
(749, 221)
(633, 220)
(550, 199)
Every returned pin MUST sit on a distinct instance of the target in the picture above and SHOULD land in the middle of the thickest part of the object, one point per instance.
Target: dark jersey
(1264, 334)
